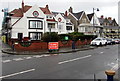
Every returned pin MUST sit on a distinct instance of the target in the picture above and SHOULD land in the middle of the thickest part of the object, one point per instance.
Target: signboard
(53, 45)
(66, 38)
(35, 14)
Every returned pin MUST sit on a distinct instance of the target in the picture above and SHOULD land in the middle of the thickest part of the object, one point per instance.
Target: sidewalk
(7, 49)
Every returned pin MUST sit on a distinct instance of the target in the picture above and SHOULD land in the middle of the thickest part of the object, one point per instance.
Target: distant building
(110, 27)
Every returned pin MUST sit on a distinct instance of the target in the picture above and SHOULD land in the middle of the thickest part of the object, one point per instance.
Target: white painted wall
(63, 22)
(96, 21)
(22, 26)
(119, 13)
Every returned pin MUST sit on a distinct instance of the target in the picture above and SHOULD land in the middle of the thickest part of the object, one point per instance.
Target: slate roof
(78, 15)
(90, 16)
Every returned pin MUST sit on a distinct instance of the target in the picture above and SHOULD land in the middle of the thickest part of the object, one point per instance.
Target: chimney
(47, 6)
(23, 6)
(102, 16)
(71, 9)
(109, 18)
(66, 14)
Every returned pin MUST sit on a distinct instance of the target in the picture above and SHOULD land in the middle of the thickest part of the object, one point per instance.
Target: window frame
(69, 27)
(35, 32)
(36, 21)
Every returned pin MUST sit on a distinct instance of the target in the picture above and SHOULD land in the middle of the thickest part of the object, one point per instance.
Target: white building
(30, 22)
(64, 24)
(119, 13)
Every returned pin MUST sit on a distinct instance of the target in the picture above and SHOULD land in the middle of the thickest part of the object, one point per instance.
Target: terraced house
(110, 27)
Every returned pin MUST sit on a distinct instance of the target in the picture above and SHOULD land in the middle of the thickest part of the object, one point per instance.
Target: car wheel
(105, 43)
(100, 44)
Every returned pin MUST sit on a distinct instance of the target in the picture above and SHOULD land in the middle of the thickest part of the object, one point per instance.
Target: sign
(35, 14)
(59, 19)
(52, 45)
(66, 38)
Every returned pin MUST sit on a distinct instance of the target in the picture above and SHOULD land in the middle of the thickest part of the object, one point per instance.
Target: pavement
(7, 49)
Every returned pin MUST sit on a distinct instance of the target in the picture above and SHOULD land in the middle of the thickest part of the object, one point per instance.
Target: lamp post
(93, 15)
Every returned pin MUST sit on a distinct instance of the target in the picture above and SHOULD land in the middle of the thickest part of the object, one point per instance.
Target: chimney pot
(66, 14)
(102, 16)
(47, 6)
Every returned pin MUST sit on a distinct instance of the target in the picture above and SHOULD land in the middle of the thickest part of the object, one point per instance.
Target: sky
(108, 8)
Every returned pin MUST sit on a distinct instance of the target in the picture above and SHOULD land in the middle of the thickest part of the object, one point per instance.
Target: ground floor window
(68, 27)
(35, 35)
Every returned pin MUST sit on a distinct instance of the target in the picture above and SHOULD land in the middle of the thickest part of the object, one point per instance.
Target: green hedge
(54, 37)
(50, 37)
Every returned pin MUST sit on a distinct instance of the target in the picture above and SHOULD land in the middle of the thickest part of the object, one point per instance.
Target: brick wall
(37, 45)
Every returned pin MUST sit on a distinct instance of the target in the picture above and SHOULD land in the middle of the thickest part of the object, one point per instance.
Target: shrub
(50, 37)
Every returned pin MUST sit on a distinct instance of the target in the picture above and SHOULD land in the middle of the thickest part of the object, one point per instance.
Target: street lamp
(94, 13)
(93, 16)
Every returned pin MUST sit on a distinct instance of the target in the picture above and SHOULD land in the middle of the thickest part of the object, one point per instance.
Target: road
(77, 65)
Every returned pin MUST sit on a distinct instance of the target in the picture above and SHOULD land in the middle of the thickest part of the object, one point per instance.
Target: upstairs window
(52, 25)
(35, 24)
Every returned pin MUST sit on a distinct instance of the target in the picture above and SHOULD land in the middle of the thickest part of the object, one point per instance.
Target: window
(35, 24)
(52, 25)
(68, 27)
(35, 35)
(59, 27)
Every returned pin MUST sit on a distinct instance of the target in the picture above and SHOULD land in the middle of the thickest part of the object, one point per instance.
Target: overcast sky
(108, 8)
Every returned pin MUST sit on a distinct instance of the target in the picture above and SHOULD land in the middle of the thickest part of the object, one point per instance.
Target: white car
(99, 41)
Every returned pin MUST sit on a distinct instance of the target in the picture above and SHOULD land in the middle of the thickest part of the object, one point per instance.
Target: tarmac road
(77, 65)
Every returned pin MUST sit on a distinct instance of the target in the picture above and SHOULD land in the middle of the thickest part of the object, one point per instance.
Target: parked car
(117, 41)
(99, 41)
(110, 41)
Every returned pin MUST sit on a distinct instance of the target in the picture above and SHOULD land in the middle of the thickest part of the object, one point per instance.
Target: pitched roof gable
(90, 16)
(45, 10)
(19, 12)
(78, 15)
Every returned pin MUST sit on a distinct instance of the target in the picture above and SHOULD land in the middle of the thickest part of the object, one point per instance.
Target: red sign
(53, 45)
(59, 19)
(35, 14)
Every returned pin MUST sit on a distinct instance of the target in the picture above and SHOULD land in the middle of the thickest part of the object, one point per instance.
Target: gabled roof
(45, 10)
(78, 15)
(90, 16)
(19, 12)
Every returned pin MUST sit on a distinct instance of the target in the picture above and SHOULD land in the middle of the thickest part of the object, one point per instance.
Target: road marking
(6, 61)
(46, 55)
(101, 52)
(27, 57)
(74, 59)
(18, 59)
(17, 73)
(38, 56)
(115, 67)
